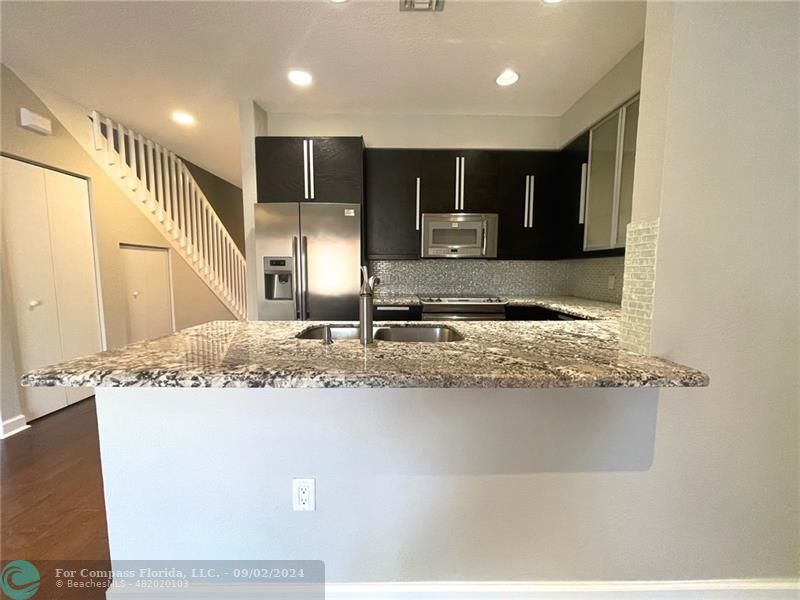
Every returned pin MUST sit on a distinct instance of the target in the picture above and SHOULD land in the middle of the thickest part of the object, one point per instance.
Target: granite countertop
(569, 305)
(494, 354)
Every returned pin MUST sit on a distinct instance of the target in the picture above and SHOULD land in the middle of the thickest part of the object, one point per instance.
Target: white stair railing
(177, 205)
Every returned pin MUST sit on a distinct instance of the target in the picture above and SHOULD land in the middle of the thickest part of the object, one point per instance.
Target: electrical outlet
(304, 497)
(612, 281)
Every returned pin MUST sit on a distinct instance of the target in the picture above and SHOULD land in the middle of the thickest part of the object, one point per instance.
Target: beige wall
(116, 218)
(425, 131)
(726, 286)
(615, 87)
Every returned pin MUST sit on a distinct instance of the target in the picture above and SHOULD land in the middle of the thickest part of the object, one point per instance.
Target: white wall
(726, 286)
(425, 131)
(615, 87)
(252, 123)
(412, 485)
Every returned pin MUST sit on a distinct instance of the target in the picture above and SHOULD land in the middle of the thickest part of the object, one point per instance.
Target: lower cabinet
(397, 313)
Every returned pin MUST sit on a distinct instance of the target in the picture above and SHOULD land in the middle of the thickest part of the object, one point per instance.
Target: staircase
(176, 205)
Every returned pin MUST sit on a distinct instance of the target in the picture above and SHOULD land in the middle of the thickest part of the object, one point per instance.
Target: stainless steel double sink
(408, 333)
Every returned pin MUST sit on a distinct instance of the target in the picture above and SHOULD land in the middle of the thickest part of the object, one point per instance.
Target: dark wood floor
(52, 491)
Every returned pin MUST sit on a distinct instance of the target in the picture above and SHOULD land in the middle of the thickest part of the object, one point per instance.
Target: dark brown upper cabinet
(314, 169)
(392, 203)
(525, 197)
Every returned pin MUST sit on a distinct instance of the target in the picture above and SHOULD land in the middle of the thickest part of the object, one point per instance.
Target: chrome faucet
(365, 306)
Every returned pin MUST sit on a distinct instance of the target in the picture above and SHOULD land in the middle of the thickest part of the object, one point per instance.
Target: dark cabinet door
(571, 186)
(295, 169)
(280, 169)
(573, 170)
(337, 169)
(390, 203)
(438, 180)
(481, 180)
(527, 184)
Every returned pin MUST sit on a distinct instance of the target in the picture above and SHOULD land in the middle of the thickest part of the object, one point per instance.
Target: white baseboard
(735, 589)
(719, 589)
(12, 426)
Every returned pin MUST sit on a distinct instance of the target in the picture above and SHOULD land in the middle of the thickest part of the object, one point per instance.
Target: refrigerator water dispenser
(278, 278)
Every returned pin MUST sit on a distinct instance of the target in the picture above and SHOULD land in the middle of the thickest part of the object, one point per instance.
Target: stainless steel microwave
(459, 235)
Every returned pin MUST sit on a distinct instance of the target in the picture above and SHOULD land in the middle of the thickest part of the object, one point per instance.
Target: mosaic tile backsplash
(585, 278)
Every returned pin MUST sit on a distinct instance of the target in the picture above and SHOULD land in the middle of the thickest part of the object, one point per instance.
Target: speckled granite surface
(570, 305)
(494, 354)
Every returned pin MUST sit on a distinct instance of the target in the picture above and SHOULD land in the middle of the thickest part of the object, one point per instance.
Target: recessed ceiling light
(507, 77)
(300, 77)
(552, 1)
(338, 1)
(182, 118)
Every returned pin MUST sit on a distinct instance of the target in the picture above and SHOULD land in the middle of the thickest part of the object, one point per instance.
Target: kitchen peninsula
(524, 354)
(192, 471)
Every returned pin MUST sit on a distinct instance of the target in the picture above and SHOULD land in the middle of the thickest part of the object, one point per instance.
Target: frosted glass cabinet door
(602, 170)
(626, 171)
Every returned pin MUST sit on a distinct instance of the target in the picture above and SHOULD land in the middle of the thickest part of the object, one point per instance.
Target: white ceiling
(138, 61)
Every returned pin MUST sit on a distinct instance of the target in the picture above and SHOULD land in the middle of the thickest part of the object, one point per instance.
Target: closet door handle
(582, 206)
(34, 303)
(417, 213)
(305, 169)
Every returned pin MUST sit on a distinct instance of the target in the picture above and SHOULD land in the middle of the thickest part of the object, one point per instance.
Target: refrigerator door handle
(304, 255)
(296, 268)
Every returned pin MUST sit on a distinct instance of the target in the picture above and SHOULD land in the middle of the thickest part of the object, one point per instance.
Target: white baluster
(195, 223)
(203, 236)
(187, 198)
(212, 265)
(133, 180)
(159, 172)
(167, 192)
(110, 158)
(97, 136)
(209, 239)
(175, 186)
(143, 170)
(123, 160)
(225, 265)
(180, 212)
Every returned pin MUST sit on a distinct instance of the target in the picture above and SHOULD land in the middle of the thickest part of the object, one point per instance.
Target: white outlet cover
(304, 496)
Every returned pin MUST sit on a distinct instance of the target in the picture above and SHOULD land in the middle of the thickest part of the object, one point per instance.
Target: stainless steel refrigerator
(309, 254)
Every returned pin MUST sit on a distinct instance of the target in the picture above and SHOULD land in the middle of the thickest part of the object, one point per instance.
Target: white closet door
(28, 263)
(73, 269)
(149, 292)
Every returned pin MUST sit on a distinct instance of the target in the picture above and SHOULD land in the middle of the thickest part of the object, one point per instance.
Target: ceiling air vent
(421, 5)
